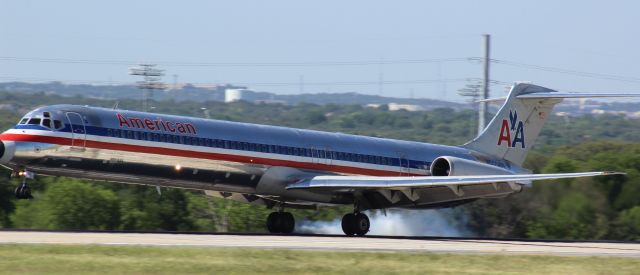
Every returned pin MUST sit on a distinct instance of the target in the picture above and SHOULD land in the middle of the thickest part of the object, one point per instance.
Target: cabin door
(78, 130)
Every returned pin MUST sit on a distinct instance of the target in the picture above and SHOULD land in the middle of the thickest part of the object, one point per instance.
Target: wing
(365, 182)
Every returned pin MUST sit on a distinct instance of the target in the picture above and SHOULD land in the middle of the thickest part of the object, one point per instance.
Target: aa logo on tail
(512, 128)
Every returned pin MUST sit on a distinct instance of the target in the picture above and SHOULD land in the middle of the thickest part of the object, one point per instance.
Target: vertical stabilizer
(516, 126)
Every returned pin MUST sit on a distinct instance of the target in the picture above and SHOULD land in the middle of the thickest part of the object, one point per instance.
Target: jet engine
(453, 166)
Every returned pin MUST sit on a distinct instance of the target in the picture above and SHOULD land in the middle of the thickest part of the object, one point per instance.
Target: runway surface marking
(327, 243)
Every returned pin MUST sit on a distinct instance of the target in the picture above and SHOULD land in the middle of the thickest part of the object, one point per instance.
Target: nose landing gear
(23, 191)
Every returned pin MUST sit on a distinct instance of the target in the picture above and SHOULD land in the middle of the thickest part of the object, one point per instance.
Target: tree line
(590, 208)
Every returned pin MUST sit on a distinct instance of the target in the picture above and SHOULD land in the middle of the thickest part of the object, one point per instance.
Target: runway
(335, 243)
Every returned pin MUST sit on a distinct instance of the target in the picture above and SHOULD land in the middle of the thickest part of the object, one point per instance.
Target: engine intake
(453, 166)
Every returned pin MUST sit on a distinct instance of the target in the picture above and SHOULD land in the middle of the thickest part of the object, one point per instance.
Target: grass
(91, 259)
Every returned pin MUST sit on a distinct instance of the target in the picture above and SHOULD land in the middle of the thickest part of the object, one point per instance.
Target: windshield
(44, 119)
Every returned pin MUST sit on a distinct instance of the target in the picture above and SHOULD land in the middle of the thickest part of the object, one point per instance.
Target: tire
(23, 191)
(26, 192)
(288, 223)
(361, 224)
(18, 193)
(274, 221)
(348, 224)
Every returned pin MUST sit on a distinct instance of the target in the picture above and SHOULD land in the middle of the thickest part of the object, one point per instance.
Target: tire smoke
(399, 222)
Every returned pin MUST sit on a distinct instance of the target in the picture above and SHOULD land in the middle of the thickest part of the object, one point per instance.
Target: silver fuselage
(221, 156)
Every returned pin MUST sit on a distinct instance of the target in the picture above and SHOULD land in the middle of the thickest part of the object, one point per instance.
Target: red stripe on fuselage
(201, 155)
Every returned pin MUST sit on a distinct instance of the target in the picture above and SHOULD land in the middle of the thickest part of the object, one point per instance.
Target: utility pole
(482, 111)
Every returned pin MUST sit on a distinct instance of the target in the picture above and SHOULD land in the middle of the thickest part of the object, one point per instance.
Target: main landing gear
(23, 191)
(356, 223)
(281, 222)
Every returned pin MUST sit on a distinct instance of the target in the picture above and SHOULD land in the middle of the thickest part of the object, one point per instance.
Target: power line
(325, 83)
(352, 83)
(322, 64)
(239, 64)
(567, 71)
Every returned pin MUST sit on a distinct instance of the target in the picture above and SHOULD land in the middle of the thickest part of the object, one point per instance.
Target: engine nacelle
(452, 166)
(7, 151)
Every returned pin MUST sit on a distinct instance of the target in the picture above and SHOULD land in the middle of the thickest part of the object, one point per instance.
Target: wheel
(361, 224)
(23, 191)
(274, 221)
(287, 223)
(348, 224)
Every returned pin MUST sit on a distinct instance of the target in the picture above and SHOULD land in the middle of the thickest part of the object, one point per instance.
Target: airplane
(281, 167)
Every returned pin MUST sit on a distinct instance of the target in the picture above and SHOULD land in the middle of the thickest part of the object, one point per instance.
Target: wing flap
(366, 182)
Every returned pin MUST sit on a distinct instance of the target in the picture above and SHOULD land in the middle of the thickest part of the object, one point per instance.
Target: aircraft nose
(7, 151)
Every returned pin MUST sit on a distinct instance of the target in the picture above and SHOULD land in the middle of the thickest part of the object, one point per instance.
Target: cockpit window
(47, 123)
(57, 124)
(34, 121)
(24, 120)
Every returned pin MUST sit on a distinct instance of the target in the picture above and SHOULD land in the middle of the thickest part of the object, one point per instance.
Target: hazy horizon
(414, 48)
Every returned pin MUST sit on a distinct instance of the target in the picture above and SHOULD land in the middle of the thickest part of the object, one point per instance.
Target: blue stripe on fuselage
(161, 137)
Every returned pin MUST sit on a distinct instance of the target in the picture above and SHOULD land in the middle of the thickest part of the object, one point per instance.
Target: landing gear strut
(281, 222)
(23, 191)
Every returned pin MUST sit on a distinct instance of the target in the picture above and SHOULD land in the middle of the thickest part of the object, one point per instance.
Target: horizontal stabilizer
(575, 95)
(563, 96)
(366, 182)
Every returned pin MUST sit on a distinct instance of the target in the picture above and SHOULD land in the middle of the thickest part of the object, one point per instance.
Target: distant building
(626, 114)
(233, 95)
(397, 107)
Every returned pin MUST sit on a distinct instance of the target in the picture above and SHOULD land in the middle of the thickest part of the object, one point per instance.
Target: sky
(399, 48)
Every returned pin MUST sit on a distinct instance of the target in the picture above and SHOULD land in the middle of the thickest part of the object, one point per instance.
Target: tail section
(516, 126)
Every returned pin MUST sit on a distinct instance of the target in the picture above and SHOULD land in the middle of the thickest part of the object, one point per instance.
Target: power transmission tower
(151, 77)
